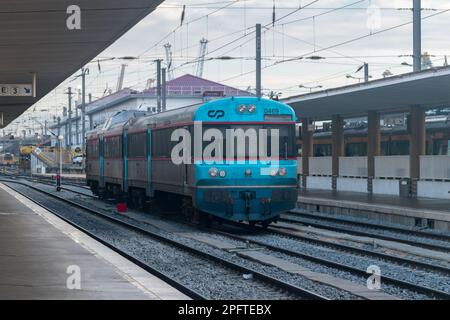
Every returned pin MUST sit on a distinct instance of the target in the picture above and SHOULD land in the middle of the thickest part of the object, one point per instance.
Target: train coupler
(266, 206)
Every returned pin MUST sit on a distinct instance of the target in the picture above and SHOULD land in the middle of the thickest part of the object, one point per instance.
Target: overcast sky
(297, 33)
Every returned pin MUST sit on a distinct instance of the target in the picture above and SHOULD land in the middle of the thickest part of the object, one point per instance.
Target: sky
(343, 34)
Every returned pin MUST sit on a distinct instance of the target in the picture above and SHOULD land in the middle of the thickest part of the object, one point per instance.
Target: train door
(186, 167)
(101, 156)
(125, 162)
(148, 189)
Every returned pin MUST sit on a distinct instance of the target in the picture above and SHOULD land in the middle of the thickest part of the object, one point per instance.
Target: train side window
(92, 149)
(113, 147)
(137, 145)
(161, 143)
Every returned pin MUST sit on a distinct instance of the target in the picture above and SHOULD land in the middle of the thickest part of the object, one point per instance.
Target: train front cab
(248, 189)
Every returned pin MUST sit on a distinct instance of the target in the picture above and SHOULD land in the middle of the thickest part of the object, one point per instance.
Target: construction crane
(149, 84)
(201, 58)
(121, 77)
(170, 75)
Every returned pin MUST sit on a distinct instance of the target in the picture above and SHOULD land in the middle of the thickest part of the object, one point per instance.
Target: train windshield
(286, 138)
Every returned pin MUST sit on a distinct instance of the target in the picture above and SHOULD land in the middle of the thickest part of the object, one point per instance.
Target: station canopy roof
(34, 38)
(428, 89)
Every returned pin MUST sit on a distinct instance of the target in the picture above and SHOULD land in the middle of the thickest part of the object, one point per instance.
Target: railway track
(346, 226)
(354, 270)
(83, 190)
(341, 266)
(49, 180)
(326, 262)
(362, 251)
(279, 287)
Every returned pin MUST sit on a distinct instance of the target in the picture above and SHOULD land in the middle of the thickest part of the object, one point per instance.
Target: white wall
(352, 184)
(382, 186)
(392, 167)
(353, 166)
(320, 166)
(435, 167)
(322, 183)
(433, 189)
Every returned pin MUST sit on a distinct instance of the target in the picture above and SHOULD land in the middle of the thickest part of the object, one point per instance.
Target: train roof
(187, 114)
(184, 114)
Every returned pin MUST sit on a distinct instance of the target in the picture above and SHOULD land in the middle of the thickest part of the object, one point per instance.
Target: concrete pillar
(429, 144)
(417, 144)
(373, 146)
(337, 146)
(307, 149)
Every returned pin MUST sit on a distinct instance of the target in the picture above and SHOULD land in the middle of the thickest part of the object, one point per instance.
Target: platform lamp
(59, 176)
(310, 88)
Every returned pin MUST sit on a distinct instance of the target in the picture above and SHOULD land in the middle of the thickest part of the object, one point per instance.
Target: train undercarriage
(164, 203)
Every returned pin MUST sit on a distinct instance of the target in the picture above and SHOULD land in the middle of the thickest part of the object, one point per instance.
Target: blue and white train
(195, 154)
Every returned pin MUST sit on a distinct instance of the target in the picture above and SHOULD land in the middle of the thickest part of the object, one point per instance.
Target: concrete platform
(39, 251)
(420, 212)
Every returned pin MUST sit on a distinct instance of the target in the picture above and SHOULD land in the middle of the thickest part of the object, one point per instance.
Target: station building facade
(407, 157)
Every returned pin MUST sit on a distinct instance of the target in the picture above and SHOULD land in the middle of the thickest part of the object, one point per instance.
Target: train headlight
(222, 173)
(213, 172)
(241, 108)
(282, 172)
(273, 172)
(248, 172)
(251, 108)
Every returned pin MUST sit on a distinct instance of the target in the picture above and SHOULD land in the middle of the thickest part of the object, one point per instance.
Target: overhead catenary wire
(190, 21)
(266, 26)
(340, 44)
(278, 58)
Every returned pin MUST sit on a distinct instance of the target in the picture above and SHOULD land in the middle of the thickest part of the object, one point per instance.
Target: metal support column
(366, 72)
(258, 60)
(417, 131)
(77, 139)
(83, 107)
(307, 149)
(163, 89)
(69, 119)
(373, 146)
(59, 126)
(91, 122)
(337, 147)
(158, 85)
(417, 35)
